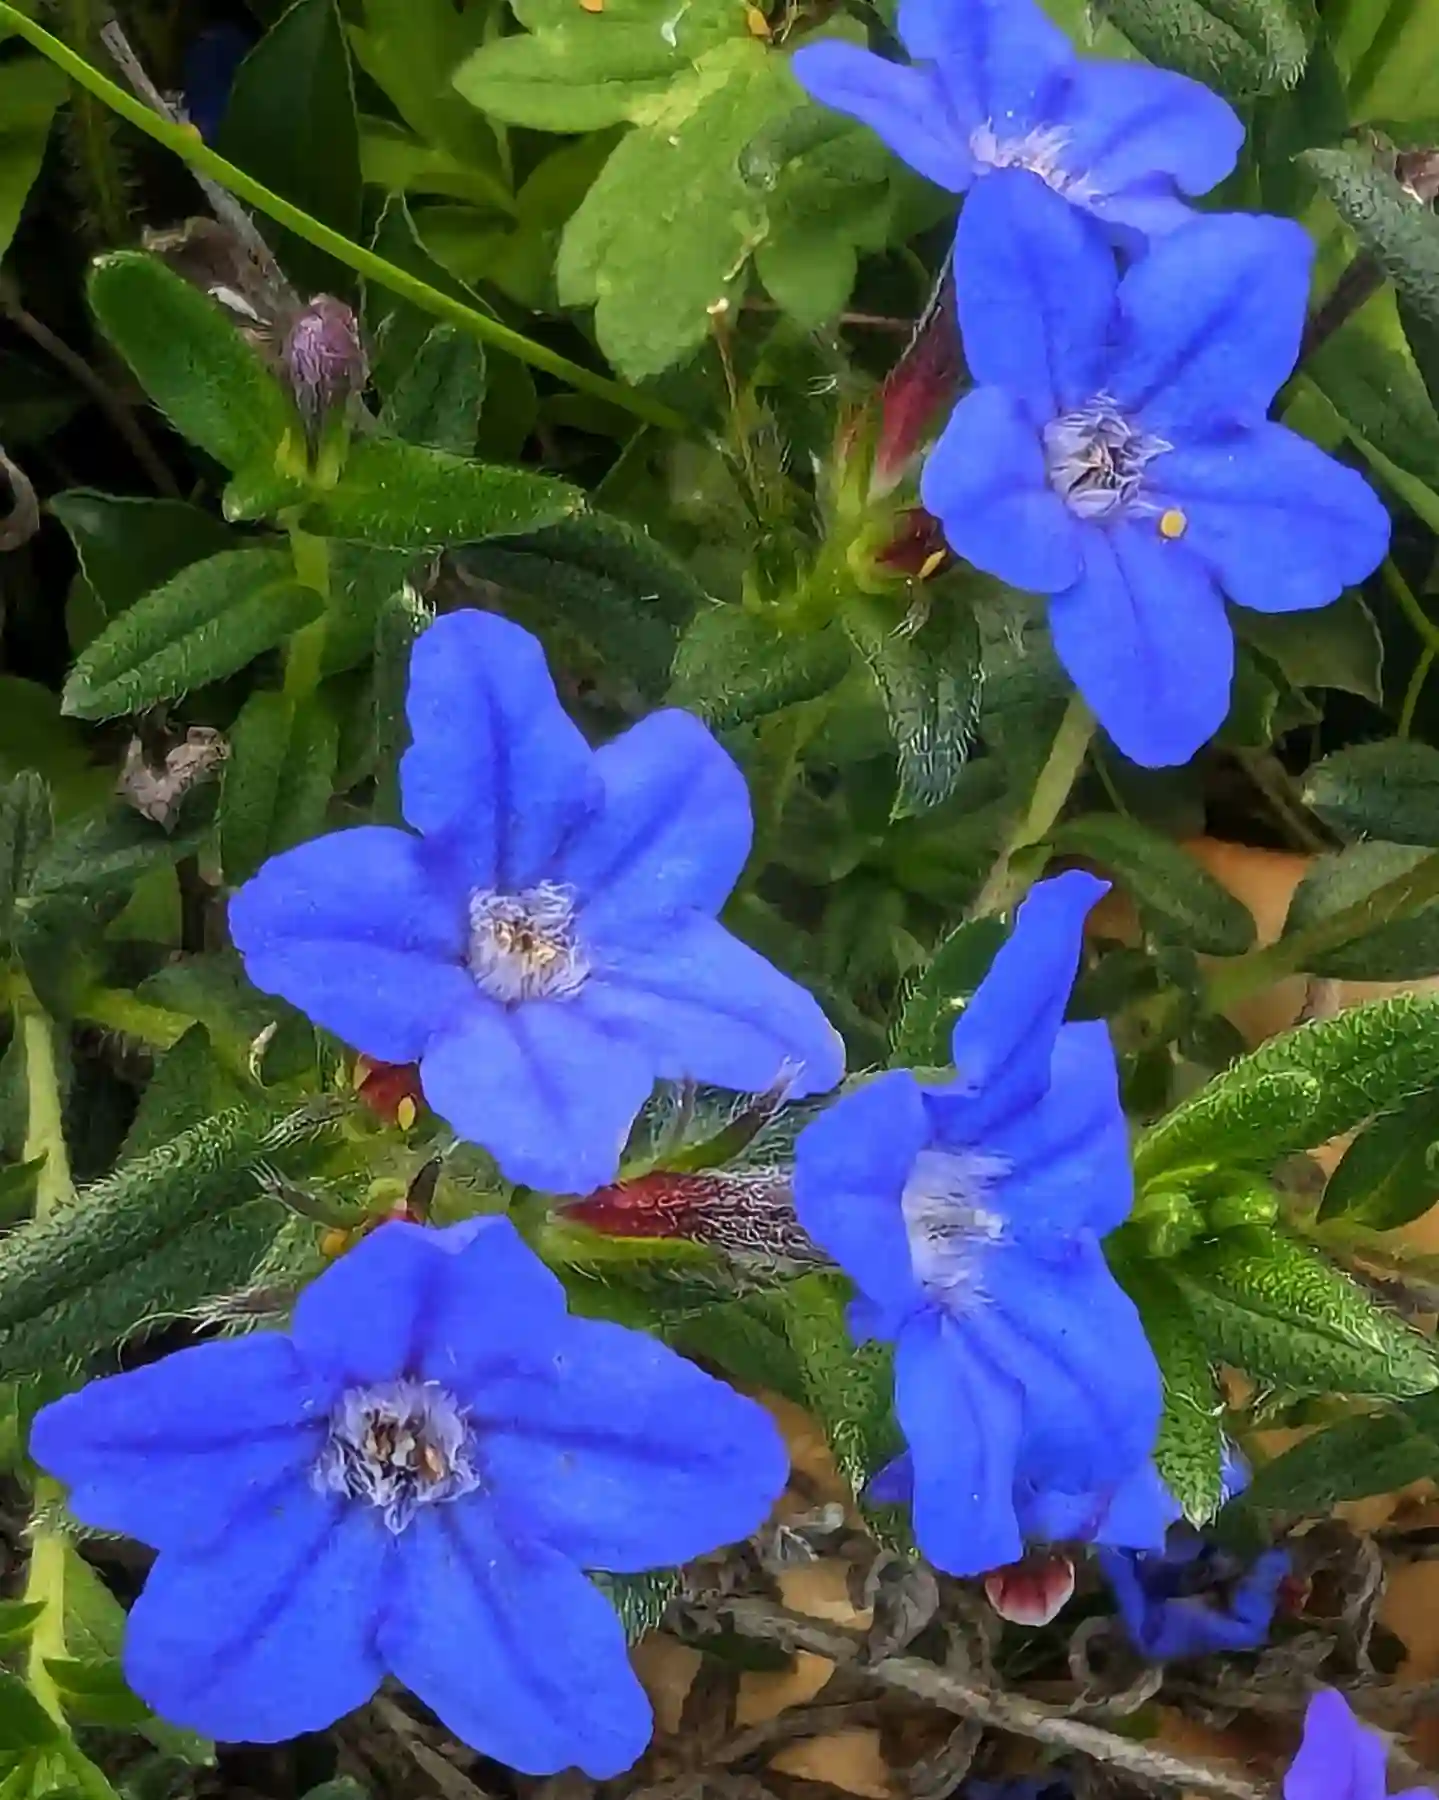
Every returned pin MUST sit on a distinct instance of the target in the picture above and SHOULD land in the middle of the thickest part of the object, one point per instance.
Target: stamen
(524, 946)
(1096, 459)
(948, 1224)
(398, 1446)
(1040, 151)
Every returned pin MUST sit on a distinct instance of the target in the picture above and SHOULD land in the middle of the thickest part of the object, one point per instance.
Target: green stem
(118, 1010)
(185, 143)
(1408, 604)
(1415, 689)
(1296, 954)
(1009, 878)
(44, 1129)
(305, 654)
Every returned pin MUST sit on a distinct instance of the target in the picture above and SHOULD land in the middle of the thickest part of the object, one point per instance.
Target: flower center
(399, 1446)
(1039, 151)
(1096, 459)
(524, 946)
(948, 1224)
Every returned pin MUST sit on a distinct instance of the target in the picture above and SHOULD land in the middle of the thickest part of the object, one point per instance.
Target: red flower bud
(747, 1216)
(918, 549)
(1032, 1591)
(918, 390)
(390, 1090)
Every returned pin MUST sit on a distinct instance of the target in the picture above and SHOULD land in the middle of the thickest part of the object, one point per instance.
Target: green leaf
(1337, 646)
(746, 1338)
(1379, 394)
(437, 400)
(405, 497)
(127, 546)
(849, 1386)
(1401, 949)
(640, 1600)
(1385, 790)
(17, 1622)
(278, 779)
(830, 203)
(1189, 1452)
(580, 71)
(1182, 901)
(30, 90)
(661, 239)
(1387, 1176)
(191, 360)
(35, 736)
(942, 991)
(96, 1693)
(411, 49)
(1275, 1309)
(25, 828)
(1374, 1454)
(206, 622)
(290, 123)
(732, 666)
(1241, 47)
(24, 1722)
(929, 681)
(1299, 1090)
(1389, 49)
(1400, 232)
(101, 854)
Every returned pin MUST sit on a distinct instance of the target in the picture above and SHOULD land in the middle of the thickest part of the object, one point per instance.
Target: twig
(1360, 282)
(224, 205)
(119, 413)
(452, 1782)
(761, 1620)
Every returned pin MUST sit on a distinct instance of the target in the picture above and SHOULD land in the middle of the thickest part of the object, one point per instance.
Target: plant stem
(187, 145)
(1415, 689)
(1006, 882)
(118, 1010)
(306, 649)
(1296, 954)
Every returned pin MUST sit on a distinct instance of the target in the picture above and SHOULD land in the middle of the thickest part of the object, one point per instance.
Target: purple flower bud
(919, 389)
(324, 359)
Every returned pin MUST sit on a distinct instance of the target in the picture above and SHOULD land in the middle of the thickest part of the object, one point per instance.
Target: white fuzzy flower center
(398, 1446)
(525, 946)
(1041, 151)
(950, 1228)
(1096, 460)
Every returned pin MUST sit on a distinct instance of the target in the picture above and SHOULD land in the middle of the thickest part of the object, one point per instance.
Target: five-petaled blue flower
(1340, 1758)
(1116, 456)
(412, 1482)
(969, 1215)
(995, 87)
(547, 946)
(1192, 1597)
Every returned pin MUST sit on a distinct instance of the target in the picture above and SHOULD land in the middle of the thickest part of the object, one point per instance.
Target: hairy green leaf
(940, 993)
(1400, 232)
(206, 622)
(1181, 900)
(1376, 1453)
(1397, 950)
(732, 667)
(1189, 1452)
(436, 402)
(1241, 47)
(278, 779)
(1388, 1174)
(1388, 789)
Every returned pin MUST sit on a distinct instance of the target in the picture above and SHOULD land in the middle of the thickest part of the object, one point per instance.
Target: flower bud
(324, 360)
(390, 1090)
(918, 548)
(918, 390)
(747, 1216)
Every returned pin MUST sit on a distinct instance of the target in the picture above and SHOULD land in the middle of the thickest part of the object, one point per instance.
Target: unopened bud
(918, 391)
(748, 1216)
(918, 548)
(390, 1090)
(324, 359)
(1032, 1591)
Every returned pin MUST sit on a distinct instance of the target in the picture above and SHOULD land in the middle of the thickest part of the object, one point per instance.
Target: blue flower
(969, 1216)
(1192, 1598)
(411, 1482)
(1116, 456)
(546, 947)
(1340, 1758)
(995, 87)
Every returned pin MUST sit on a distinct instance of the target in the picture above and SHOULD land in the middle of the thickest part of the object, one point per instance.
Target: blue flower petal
(704, 1006)
(673, 832)
(1145, 637)
(1004, 1042)
(903, 107)
(1282, 526)
(851, 1165)
(985, 481)
(1209, 324)
(363, 934)
(961, 1419)
(1001, 60)
(1340, 1758)
(1140, 1512)
(1035, 287)
(170, 1452)
(496, 771)
(270, 1633)
(439, 1304)
(1064, 1331)
(1068, 1154)
(622, 1456)
(519, 1655)
(1166, 1626)
(549, 1095)
(1126, 122)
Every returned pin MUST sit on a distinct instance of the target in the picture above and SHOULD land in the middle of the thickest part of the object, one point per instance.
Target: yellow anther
(1172, 523)
(406, 1112)
(933, 561)
(334, 1242)
(756, 23)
